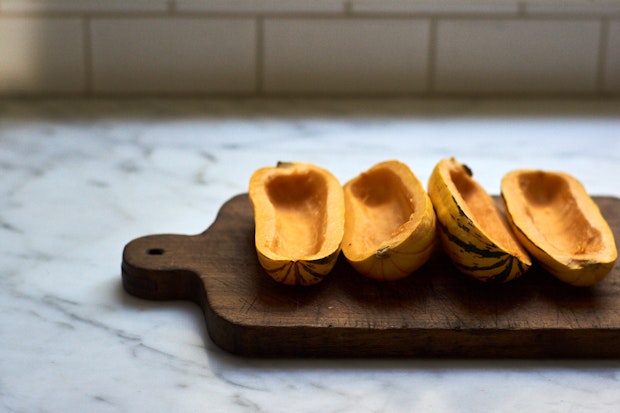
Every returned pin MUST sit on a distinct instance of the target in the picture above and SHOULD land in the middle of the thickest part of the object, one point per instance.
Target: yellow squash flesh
(389, 222)
(560, 225)
(473, 231)
(299, 220)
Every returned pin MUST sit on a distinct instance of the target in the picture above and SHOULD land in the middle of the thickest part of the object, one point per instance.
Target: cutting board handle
(159, 267)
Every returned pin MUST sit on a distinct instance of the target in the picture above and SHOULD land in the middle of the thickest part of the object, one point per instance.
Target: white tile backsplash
(41, 55)
(424, 7)
(611, 75)
(173, 55)
(266, 47)
(517, 56)
(572, 7)
(345, 56)
(43, 6)
(262, 6)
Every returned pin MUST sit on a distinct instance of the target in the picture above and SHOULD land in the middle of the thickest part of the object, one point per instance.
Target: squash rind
(577, 269)
(463, 240)
(298, 268)
(405, 250)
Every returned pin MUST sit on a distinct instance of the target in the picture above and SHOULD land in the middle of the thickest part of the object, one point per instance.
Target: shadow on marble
(221, 361)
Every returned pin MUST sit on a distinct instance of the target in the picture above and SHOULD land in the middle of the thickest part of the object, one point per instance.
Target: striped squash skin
(300, 272)
(468, 246)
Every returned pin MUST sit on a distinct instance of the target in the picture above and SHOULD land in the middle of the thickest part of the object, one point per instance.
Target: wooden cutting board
(434, 312)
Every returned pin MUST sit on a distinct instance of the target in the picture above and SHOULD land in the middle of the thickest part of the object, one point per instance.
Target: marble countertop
(81, 178)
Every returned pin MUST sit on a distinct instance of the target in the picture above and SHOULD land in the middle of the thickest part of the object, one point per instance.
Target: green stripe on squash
(469, 247)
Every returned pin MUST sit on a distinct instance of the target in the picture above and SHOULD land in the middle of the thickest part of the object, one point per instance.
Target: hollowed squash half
(474, 232)
(560, 225)
(389, 222)
(299, 221)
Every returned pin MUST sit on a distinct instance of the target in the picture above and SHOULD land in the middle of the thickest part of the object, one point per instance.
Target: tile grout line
(347, 8)
(602, 56)
(260, 55)
(172, 10)
(432, 56)
(172, 7)
(88, 61)
(521, 9)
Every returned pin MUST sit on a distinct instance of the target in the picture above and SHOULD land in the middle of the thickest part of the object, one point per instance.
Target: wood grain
(436, 312)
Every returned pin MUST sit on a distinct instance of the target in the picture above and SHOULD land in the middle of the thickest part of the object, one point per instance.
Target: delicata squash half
(473, 231)
(560, 225)
(299, 221)
(389, 222)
